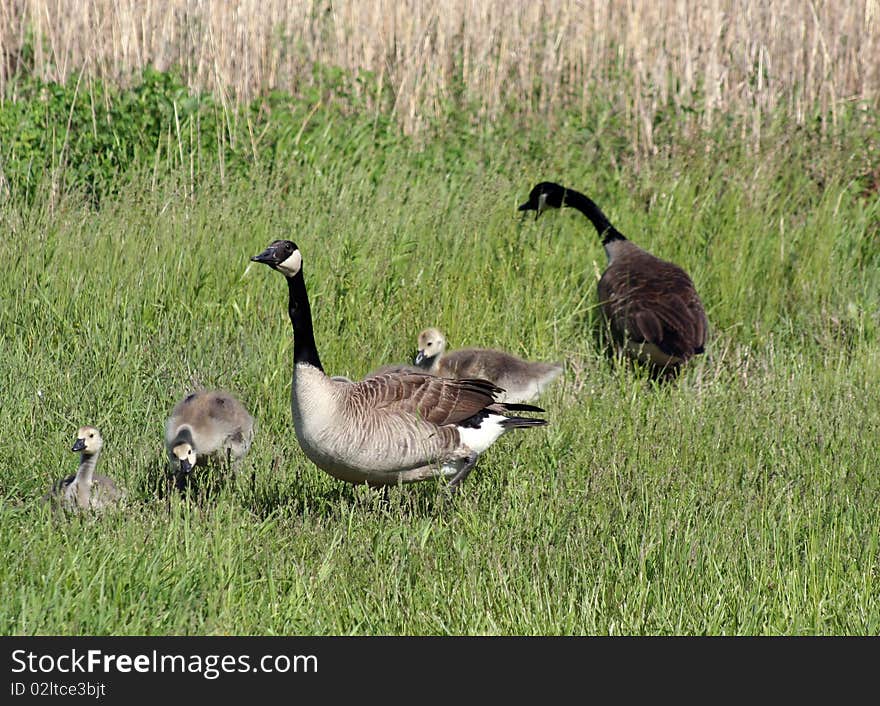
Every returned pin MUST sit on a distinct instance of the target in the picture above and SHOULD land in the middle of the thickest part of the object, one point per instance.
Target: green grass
(741, 500)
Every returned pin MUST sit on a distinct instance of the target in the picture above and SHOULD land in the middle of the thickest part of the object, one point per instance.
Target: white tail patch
(485, 435)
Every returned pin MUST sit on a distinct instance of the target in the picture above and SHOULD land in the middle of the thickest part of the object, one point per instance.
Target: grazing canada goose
(651, 305)
(207, 425)
(86, 490)
(398, 427)
(521, 380)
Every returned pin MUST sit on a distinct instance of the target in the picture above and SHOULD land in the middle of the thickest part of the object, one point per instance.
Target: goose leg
(458, 478)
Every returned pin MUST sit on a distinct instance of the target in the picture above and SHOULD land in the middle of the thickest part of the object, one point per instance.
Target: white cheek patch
(292, 264)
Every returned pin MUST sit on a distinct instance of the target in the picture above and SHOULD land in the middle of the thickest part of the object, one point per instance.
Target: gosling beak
(79, 445)
(420, 358)
(185, 466)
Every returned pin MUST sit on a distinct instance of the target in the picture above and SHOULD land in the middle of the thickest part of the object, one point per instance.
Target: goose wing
(436, 400)
(658, 305)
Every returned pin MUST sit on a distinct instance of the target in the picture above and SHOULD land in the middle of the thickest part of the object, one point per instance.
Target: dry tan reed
(748, 57)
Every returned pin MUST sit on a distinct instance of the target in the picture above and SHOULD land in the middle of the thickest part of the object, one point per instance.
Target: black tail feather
(523, 422)
(515, 407)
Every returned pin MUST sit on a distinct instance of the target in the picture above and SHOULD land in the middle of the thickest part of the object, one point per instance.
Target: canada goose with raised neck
(652, 306)
(521, 380)
(392, 428)
(86, 490)
(205, 426)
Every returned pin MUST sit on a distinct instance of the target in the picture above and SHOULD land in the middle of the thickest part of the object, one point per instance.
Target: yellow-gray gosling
(207, 425)
(86, 490)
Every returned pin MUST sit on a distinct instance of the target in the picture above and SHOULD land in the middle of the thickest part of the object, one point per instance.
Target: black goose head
(542, 196)
(281, 255)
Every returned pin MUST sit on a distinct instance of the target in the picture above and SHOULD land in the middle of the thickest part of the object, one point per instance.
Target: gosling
(207, 426)
(521, 380)
(86, 490)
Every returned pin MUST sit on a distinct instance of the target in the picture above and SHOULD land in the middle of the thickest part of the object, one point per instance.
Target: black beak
(79, 445)
(267, 257)
(185, 466)
(420, 356)
(529, 206)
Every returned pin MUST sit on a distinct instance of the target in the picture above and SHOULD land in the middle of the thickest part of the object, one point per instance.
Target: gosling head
(183, 457)
(431, 344)
(88, 441)
(545, 195)
(281, 255)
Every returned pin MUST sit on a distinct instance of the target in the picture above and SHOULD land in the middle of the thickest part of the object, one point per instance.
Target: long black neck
(304, 348)
(585, 205)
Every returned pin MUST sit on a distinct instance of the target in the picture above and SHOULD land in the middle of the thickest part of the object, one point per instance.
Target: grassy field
(741, 500)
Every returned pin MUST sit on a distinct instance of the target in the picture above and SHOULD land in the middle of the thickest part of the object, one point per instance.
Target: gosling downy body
(391, 428)
(521, 380)
(86, 490)
(206, 426)
(651, 305)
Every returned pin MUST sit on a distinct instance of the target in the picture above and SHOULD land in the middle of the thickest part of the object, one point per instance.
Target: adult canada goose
(651, 305)
(392, 428)
(521, 380)
(204, 426)
(86, 490)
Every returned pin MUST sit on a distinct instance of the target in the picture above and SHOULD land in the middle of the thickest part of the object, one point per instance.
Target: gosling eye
(91, 436)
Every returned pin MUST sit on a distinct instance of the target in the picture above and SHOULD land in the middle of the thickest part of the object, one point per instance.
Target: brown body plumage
(382, 370)
(651, 305)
